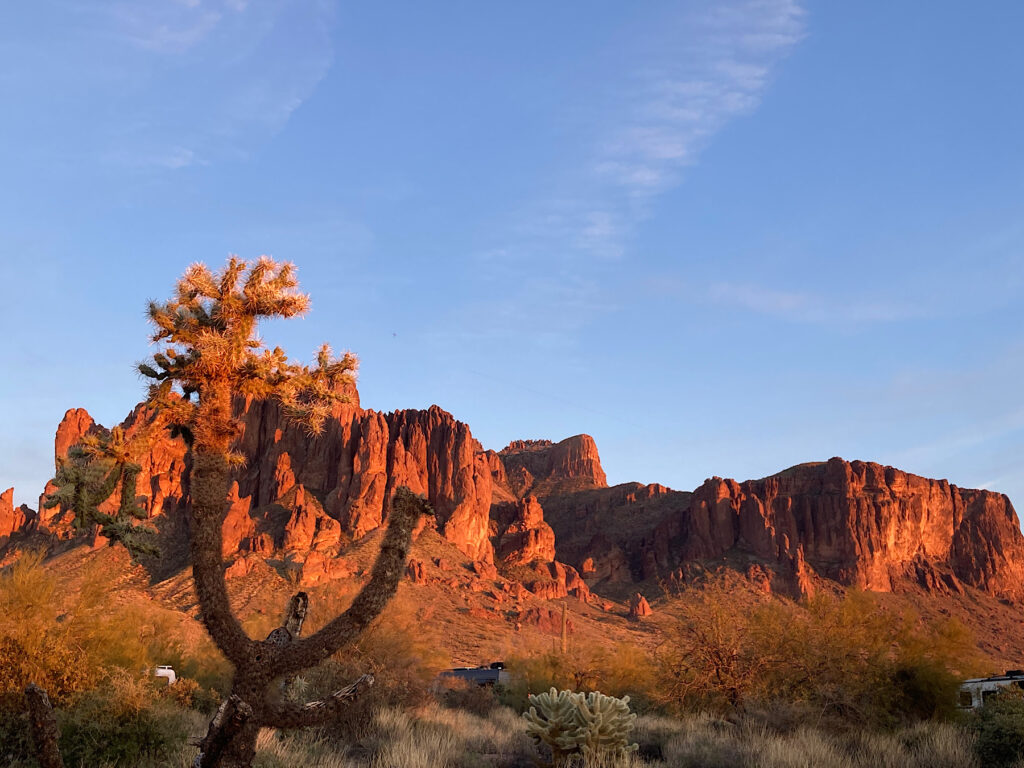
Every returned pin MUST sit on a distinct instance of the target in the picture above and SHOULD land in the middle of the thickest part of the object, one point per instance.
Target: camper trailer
(975, 692)
(494, 674)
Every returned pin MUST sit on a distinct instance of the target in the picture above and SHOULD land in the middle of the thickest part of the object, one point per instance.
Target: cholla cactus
(590, 725)
(90, 475)
(553, 718)
(607, 723)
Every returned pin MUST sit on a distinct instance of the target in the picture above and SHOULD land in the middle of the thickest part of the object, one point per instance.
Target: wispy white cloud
(798, 306)
(161, 158)
(177, 83)
(719, 61)
(165, 27)
(684, 79)
(705, 66)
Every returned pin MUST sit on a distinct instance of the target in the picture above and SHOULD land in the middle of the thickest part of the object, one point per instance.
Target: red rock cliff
(13, 519)
(345, 474)
(542, 468)
(857, 522)
(361, 456)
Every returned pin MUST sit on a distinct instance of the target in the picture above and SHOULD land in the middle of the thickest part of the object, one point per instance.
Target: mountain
(537, 521)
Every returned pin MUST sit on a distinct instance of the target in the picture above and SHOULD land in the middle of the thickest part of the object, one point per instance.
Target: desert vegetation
(845, 656)
(110, 713)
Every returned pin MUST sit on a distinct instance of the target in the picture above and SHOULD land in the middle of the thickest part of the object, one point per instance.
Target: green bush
(189, 694)
(123, 723)
(621, 670)
(999, 729)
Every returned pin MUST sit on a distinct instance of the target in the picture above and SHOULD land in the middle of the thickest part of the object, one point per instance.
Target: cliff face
(523, 536)
(858, 523)
(295, 493)
(362, 455)
(544, 510)
(544, 468)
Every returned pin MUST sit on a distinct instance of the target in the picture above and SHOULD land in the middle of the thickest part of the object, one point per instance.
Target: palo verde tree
(210, 355)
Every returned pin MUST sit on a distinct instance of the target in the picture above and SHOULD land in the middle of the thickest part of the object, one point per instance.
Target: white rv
(974, 693)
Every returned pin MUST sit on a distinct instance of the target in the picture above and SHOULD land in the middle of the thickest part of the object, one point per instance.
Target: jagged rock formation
(543, 513)
(858, 523)
(297, 494)
(524, 536)
(351, 469)
(12, 519)
(593, 535)
(639, 607)
(542, 468)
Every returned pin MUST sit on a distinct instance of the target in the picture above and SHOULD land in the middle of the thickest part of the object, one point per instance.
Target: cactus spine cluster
(592, 725)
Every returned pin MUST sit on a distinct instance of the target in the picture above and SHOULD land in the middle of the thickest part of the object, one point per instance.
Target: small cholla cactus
(553, 718)
(607, 723)
(589, 725)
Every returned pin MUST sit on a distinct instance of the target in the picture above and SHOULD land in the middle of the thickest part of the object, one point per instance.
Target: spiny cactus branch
(44, 727)
(406, 510)
(209, 503)
(232, 716)
(208, 332)
(317, 712)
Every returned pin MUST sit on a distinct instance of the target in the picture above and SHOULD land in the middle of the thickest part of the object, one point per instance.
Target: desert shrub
(68, 640)
(847, 659)
(51, 661)
(704, 741)
(620, 670)
(456, 693)
(999, 729)
(189, 694)
(923, 690)
(403, 741)
(626, 669)
(937, 745)
(34, 645)
(434, 736)
(780, 715)
(531, 673)
(15, 737)
(122, 723)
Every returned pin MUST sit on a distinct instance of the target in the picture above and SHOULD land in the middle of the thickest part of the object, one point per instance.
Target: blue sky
(721, 237)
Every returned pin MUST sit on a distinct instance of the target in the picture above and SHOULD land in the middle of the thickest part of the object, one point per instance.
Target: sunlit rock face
(858, 523)
(12, 519)
(542, 467)
(545, 508)
(298, 492)
(362, 455)
(524, 536)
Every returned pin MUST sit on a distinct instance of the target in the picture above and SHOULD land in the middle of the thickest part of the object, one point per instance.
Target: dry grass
(436, 737)
(707, 742)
